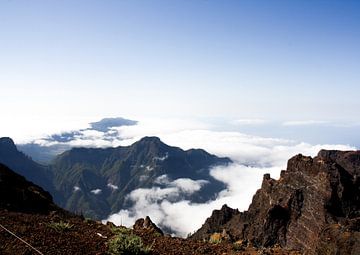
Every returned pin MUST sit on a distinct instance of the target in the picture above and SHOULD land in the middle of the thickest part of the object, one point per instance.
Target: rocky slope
(23, 165)
(17, 194)
(313, 207)
(28, 211)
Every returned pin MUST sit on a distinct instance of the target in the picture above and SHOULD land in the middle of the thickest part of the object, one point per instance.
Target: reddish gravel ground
(165, 245)
(83, 238)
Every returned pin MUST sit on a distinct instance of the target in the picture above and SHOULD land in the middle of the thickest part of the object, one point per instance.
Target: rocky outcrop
(307, 209)
(147, 225)
(216, 222)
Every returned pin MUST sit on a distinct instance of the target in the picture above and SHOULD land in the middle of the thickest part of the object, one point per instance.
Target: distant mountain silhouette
(60, 142)
(107, 123)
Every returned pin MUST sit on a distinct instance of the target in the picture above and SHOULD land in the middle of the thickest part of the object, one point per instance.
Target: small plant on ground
(215, 238)
(127, 243)
(60, 226)
(88, 220)
(121, 230)
(239, 245)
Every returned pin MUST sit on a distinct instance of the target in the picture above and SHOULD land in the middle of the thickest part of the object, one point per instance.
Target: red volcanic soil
(83, 238)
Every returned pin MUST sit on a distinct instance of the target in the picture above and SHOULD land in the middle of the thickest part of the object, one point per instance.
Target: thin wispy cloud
(305, 122)
(96, 191)
(242, 122)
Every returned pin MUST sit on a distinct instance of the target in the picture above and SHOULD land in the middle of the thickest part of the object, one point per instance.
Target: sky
(273, 60)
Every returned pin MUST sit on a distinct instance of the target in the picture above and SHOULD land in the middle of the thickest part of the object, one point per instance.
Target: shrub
(60, 226)
(128, 244)
(121, 230)
(215, 238)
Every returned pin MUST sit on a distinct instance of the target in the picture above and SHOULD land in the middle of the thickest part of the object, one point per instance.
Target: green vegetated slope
(95, 182)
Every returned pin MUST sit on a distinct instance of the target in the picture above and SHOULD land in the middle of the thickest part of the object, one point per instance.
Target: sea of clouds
(253, 156)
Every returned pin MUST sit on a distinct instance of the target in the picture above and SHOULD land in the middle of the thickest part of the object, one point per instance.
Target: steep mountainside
(17, 194)
(96, 181)
(314, 207)
(25, 166)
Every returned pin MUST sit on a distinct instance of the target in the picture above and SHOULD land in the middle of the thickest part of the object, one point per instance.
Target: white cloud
(162, 179)
(305, 122)
(162, 158)
(253, 156)
(187, 185)
(184, 217)
(96, 191)
(77, 188)
(112, 186)
(149, 168)
(157, 201)
(242, 122)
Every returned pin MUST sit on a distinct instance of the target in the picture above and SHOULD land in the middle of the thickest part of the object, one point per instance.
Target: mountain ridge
(96, 181)
(24, 165)
(120, 170)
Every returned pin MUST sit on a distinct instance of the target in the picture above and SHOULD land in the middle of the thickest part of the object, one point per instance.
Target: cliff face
(313, 207)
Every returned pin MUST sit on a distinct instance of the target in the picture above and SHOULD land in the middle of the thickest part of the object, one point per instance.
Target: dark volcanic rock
(23, 165)
(17, 194)
(299, 211)
(148, 225)
(216, 222)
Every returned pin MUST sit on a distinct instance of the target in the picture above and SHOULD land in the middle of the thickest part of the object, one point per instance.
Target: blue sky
(273, 60)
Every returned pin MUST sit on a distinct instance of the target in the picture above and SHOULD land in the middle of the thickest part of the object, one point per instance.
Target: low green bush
(60, 226)
(127, 243)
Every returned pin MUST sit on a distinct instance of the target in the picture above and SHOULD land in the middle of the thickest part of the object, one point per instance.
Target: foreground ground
(81, 236)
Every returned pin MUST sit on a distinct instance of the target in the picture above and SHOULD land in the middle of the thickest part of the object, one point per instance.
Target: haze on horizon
(66, 63)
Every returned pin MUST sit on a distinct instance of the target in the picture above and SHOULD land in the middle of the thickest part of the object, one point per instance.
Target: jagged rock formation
(148, 225)
(313, 207)
(216, 222)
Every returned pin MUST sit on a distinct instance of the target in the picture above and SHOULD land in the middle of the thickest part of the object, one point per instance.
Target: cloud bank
(167, 203)
(253, 156)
